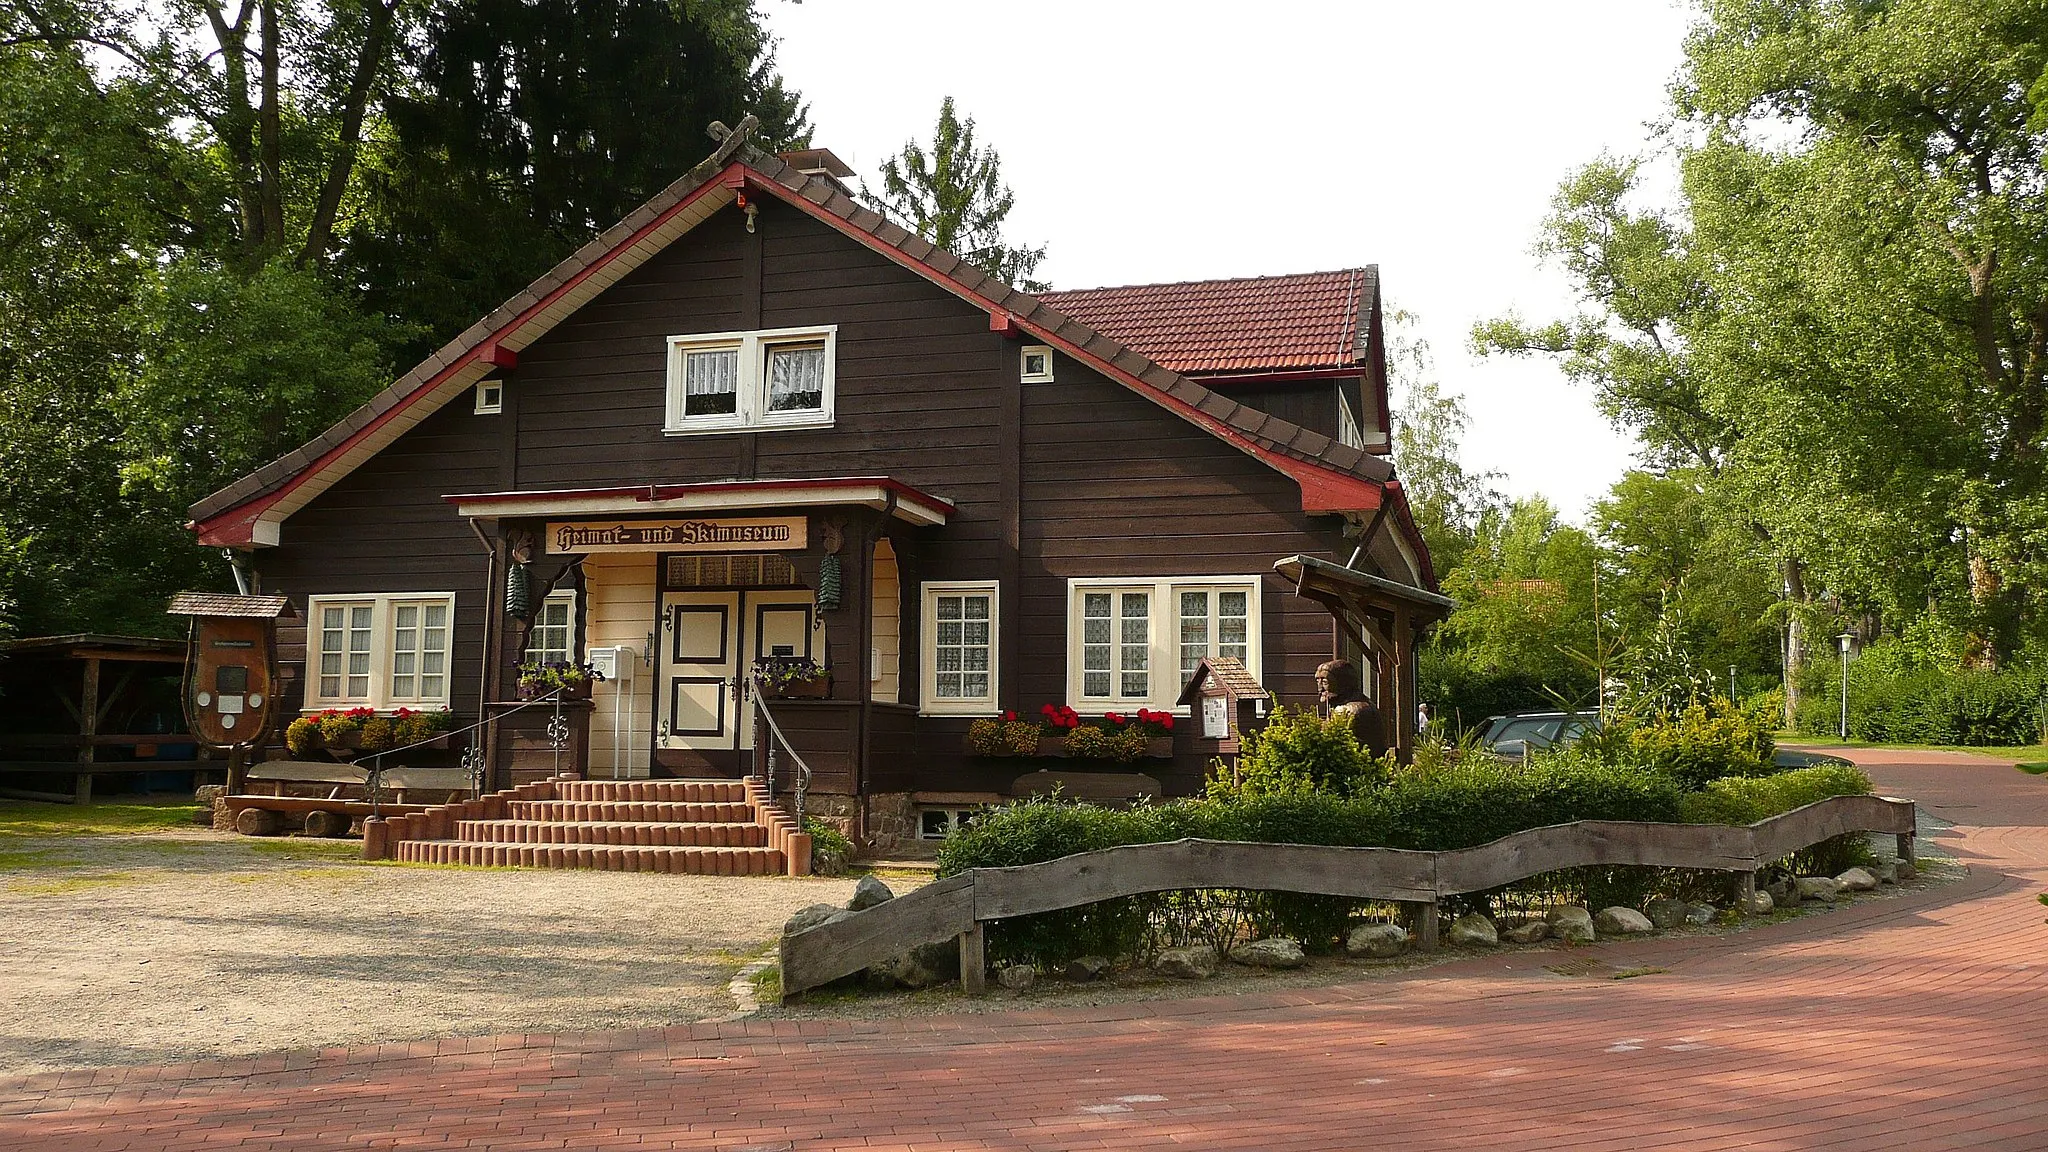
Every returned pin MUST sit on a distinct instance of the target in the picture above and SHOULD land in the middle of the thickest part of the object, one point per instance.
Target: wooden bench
(346, 799)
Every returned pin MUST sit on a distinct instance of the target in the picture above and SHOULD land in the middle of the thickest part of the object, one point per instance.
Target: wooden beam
(974, 960)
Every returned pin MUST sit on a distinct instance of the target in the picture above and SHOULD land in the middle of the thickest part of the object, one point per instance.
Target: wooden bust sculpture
(1341, 690)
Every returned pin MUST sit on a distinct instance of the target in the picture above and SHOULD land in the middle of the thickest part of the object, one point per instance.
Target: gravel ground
(147, 949)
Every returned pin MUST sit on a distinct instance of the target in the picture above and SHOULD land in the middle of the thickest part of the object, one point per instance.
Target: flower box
(571, 690)
(1156, 748)
(805, 688)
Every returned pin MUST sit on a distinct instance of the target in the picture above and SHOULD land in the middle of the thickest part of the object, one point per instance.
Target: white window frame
(1163, 662)
(490, 397)
(750, 405)
(566, 597)
(929, 700)
(383, 638)
(1024, 372)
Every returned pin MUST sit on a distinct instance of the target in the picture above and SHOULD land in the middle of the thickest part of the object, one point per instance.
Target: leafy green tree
(518, 129)
(1526, 599)
(1446, 499)
(954, 196)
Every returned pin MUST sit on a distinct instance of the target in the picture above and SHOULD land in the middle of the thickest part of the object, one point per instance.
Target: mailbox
(231, 677)
(1225, 698)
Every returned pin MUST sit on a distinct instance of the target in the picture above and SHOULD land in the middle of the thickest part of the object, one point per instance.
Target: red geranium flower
(1009, 715)
(1113, 717)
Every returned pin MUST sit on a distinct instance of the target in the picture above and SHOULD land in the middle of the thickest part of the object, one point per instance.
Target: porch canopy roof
(1349, 592)
(878, 492)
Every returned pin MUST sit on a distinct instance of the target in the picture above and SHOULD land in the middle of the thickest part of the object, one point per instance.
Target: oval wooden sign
(231, 681)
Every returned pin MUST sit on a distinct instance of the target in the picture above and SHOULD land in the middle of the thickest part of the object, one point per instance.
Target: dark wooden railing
(959, 906)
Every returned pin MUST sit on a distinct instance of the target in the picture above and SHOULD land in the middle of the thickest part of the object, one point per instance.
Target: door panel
(695, 687)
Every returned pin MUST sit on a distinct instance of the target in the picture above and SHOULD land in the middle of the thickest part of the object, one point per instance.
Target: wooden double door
(709, 642)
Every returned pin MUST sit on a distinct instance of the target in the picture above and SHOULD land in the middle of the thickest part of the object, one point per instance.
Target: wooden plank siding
(1106, 483)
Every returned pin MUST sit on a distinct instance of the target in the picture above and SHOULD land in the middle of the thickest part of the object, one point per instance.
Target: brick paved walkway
(1919, 1022)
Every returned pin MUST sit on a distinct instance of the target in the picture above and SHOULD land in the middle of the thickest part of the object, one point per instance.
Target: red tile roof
(1266, 324)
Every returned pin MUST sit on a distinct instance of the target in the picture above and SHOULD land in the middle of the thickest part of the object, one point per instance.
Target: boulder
(205, 796)
(1619, 921)
(828, 862)
(1474, 931)
(1886, 871)
(1821, 888)
(1530, 933)
(1186, 963)
(811, 917)
(1017, 977)
(868, 893)
(920, 967)
(1761, 902)
(1664, 912)
(1084, 969)
(1905, 870)
(1700, 915)
(1857, 880)
(1571, 924)
(1278, 952)
(1784, 890)
(1377, 940)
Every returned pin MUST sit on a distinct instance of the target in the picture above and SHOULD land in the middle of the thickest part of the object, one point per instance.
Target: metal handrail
(803, 777)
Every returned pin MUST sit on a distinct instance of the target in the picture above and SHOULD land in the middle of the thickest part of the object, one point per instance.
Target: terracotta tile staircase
(688, 827)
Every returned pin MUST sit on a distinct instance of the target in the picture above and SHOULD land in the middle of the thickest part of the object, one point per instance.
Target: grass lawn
(2021, 752)
(114, 843)
(31, 818)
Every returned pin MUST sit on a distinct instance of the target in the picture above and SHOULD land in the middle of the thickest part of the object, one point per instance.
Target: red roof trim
(236, 527)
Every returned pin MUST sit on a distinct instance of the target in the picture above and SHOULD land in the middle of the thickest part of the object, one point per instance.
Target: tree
(954, 196)
(1446, 500)
(518, 129)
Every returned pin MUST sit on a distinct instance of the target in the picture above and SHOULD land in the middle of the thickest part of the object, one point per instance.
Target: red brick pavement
(1918, 1022)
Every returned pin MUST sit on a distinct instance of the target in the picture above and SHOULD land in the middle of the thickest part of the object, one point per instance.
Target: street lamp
(1845, 638)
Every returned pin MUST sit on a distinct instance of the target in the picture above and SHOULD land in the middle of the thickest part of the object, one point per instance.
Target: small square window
(1037, 363)
(490, 397)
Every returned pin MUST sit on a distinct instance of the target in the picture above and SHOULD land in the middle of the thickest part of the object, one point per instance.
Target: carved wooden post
(974, 960)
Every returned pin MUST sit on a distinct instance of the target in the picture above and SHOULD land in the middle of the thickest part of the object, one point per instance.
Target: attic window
(490, 397)
(731, 381)
(1037, 364)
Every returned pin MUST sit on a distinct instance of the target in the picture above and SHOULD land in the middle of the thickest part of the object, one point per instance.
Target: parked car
(1515, 733)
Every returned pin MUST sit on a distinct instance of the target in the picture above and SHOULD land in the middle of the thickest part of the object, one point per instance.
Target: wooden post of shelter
(1386, 615)
(88, 729)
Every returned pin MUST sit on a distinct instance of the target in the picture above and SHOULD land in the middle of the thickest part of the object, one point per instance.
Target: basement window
(939, 823)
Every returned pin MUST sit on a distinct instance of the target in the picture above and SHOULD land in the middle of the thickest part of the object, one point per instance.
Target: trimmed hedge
(1893, 705)
(1462, 805)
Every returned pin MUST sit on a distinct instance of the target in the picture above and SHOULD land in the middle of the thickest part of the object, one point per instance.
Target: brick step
(611, 832)
(597, 857)
(674, 791)
(631, 811)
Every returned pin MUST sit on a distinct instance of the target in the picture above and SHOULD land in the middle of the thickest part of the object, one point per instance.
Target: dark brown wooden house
(756, 419)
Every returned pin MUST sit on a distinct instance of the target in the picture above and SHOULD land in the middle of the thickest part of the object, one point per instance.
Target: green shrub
(1482, 798)
(1701, 742)
(1901, 695)
(1746, 800)
(1299, 751)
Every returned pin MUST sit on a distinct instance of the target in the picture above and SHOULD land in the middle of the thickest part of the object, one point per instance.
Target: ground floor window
(386, 651)
(1135, 642)
(960, 648)
(552, 639)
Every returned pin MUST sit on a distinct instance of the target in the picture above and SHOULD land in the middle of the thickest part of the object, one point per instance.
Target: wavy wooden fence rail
(959, 906)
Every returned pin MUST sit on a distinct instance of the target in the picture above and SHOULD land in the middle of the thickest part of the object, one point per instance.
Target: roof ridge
(1273, 434)
(1352, 272)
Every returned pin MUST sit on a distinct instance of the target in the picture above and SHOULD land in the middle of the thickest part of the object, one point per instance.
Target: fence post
(1906, 847)
(974, 960)
(1745, 894)
(1426, 927)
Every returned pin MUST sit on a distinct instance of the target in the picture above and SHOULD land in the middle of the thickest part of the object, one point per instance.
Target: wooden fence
(959, 906)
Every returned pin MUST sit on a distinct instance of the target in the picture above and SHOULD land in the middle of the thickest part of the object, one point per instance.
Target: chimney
(820, 162)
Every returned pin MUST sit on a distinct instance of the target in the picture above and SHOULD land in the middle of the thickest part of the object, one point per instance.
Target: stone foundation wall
(891, 822)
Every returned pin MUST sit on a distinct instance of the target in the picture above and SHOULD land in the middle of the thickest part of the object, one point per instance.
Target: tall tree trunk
(1795, 635)
(270, 172)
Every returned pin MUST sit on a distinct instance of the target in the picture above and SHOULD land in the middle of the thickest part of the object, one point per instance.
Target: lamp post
(1845, 638)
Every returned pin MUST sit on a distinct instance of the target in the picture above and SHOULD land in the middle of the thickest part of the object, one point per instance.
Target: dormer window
(732, 381)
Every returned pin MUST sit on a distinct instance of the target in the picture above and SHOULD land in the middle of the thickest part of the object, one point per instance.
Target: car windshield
(1535, 730)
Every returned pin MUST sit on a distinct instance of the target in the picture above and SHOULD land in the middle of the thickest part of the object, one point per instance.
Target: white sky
(1424, 137)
